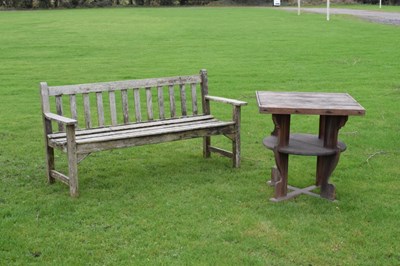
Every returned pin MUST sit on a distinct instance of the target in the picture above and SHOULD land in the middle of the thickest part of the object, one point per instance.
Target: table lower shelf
(303, 144)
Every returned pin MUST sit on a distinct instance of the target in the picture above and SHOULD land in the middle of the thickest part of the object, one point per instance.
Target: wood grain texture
(138, 112)
(125, 106)
(160, 97)
(86, 109)
(60, 111)
(182, 90)
(194, 99)
(172, 107)
(121, 85)
(100, 109)
(113, 108)
(314, 103)
(149, 104)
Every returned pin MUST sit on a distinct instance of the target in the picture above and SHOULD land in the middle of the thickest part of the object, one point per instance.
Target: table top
(308, 103)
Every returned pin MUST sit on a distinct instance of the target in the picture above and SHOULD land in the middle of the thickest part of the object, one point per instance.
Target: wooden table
(333, 109)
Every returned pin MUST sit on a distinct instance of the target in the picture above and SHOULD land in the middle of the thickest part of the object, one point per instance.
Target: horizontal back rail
(122, 85)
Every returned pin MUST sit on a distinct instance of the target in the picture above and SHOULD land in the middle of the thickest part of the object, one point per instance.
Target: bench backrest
(141, 100)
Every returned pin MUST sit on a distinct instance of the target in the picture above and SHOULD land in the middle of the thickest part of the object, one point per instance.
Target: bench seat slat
(119, 132)
(153, 139)
(134, 126)
(137, 133)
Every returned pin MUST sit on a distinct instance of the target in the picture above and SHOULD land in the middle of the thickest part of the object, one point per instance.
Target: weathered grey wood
(145, 140)
(161, 109)
(121, 85)
(59, 108)
(60, 176)
(72, 106)
(225, 100)
(86, 109)
(100, 109)
(172, 100)
(47, 129)
(72, 161)
(79, 143)
(221, 151)
(133, 133)
(149, 104)
(206, 110)
(150, 124)
(125, 106)
(236, 141)
(113, 108)
(138, 112)
(194, 99)
(308, 103)
(183, 99)
(60, 119)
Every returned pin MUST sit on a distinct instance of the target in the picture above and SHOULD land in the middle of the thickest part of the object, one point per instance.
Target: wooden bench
(86, 103)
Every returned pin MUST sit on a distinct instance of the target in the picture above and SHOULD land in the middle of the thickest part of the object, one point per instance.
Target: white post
(380, 3)
(298, 7)
(327, 9)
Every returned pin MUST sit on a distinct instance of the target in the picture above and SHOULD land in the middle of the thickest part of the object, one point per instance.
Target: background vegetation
(43, 4)
(165, 204)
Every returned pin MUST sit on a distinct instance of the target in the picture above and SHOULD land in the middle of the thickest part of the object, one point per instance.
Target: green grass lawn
(165, 204)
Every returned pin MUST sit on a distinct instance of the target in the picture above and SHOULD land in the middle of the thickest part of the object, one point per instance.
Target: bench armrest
(225, 100)
(60, 119)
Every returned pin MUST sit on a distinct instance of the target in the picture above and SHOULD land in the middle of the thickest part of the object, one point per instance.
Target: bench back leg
(206, 147)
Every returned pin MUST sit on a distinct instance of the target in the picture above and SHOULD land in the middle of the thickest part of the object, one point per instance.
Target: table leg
(329, 130)
(280, 177)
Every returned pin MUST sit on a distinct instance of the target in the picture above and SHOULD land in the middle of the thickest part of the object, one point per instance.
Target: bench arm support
(60, 119)
(225, 100)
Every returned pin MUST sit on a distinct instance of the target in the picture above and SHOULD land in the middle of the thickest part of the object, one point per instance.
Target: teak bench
(88, 102)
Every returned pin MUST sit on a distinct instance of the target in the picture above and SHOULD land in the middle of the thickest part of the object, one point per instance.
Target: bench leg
(236, 137)
(236, 150)
(50, 165)
(206, 147)
(72, 162)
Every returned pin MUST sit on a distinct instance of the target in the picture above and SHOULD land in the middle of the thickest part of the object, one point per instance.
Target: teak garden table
(333, 109)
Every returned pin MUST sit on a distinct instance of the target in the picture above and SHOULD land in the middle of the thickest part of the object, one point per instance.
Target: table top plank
(308, 103)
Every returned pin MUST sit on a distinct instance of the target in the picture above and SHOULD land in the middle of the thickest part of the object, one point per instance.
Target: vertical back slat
(86, 108)
(149, 104)
(161, 102)
(100, 109)
(204, 92)
(125, 108)
(172, 100)
(138, 113)
(72, 106)
(194, 99)
(59, 108)
(183, 99)
(113, 108)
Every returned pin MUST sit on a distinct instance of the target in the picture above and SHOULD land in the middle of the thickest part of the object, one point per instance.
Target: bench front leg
(236, 137)
(72, 161)
(50, 164)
